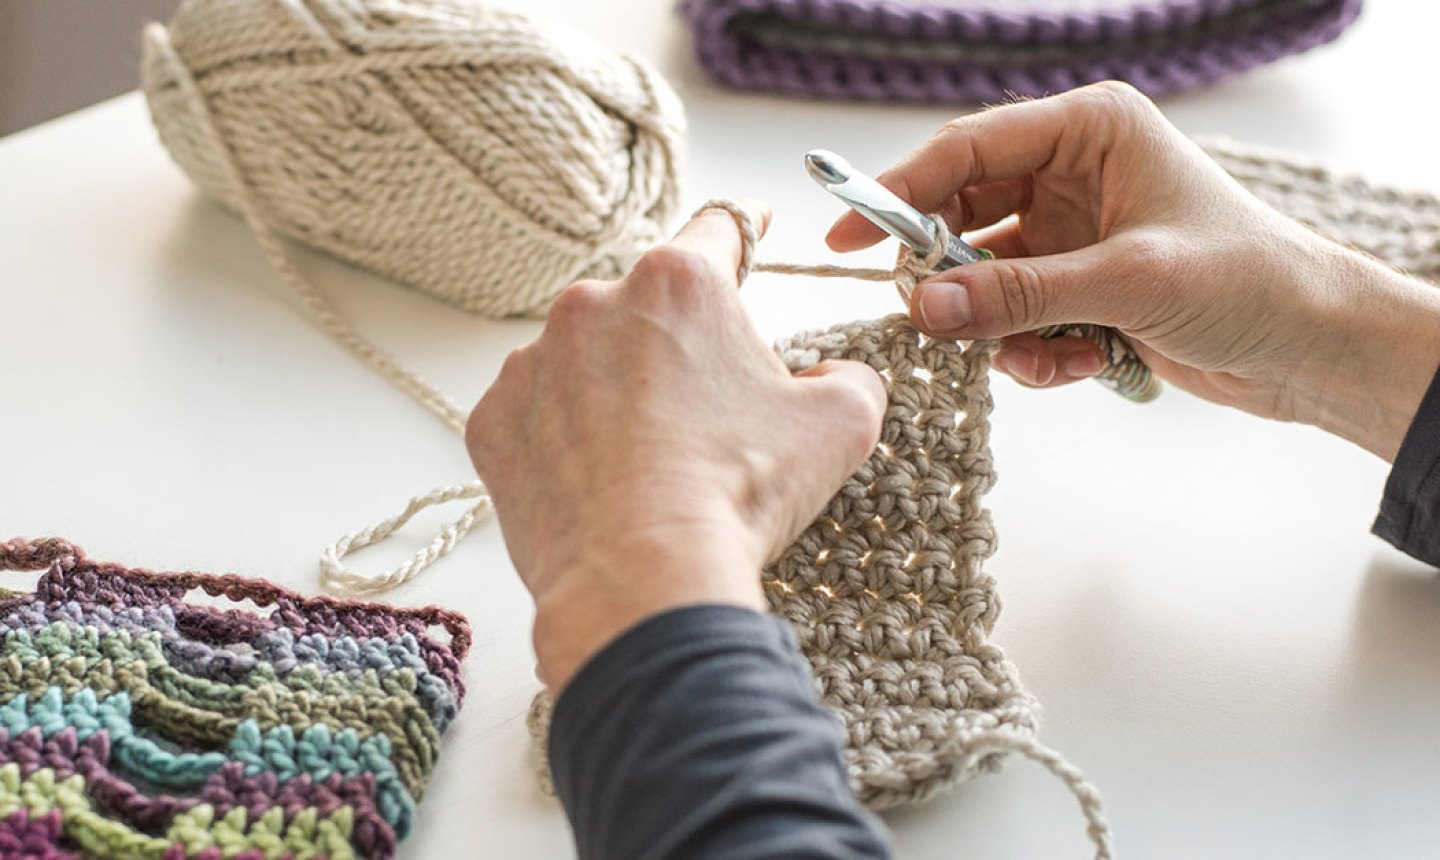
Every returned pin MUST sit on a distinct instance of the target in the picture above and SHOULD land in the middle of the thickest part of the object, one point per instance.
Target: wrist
(590, 601)
(1382, 328)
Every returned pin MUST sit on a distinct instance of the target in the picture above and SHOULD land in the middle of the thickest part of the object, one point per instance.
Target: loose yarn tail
(336, 577)
(321, 308)
(976, 745)
(973, 745)
(333, 573)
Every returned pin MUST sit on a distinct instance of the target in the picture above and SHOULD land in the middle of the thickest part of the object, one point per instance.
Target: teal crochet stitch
(135, 724)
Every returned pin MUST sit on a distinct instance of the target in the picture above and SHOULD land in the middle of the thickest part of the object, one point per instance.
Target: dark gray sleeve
(697, 734)
(1410, 511)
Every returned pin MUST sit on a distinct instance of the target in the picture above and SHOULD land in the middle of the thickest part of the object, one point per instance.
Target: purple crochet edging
(1160, 47)
(70, 576)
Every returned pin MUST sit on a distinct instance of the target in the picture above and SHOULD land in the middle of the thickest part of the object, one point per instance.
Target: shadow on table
(1395, 642)
(1397, 621)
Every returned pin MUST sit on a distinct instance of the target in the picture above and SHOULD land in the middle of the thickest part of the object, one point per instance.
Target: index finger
(715, 232)
(996, 144)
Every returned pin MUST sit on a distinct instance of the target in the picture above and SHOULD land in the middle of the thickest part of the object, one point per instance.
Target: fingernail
(1022, 361)
(944, 306)
(1081, 364)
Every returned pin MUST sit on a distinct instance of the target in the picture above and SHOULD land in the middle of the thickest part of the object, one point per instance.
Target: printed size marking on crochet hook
(1124, 372)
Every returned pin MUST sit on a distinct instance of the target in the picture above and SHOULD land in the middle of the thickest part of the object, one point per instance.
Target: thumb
(996, 298)
(850, 399)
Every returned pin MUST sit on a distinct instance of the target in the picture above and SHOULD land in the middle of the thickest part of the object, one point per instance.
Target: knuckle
(1147, 254)
(515, 362)
(959, 126)
(859, 411)
(854, 407)
(497, 408)
(1117, 92)
(476, 438)
(575, 302)
(668, 268)
(962, 131)
(1021, 293)
(477, 432)
(1155, 269)
(475, 428)
(1119, 101)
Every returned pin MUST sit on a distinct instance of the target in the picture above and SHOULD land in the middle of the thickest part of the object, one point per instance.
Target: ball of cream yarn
(458, 147)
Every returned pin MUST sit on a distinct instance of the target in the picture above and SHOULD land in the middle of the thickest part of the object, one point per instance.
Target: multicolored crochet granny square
(137, 724)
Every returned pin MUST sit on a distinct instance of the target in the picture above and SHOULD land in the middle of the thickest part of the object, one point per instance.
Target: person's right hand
(1125, 222)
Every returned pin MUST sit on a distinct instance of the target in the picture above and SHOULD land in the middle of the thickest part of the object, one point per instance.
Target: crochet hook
(1124, 372)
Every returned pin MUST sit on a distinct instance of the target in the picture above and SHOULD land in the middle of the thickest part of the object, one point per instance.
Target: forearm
(697, 734)
(1382, 330)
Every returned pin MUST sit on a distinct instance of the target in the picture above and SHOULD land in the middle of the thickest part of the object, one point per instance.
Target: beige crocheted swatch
(887, 590)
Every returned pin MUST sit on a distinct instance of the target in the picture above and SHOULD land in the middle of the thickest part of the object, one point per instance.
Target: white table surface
(1192, 593)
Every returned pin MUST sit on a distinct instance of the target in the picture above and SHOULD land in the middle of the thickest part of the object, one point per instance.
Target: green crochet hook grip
(1124, 373)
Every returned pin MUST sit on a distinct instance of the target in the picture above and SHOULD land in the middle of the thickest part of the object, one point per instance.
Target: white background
(1192, 593)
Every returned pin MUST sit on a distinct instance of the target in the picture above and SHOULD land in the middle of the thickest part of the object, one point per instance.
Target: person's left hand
(649, 450)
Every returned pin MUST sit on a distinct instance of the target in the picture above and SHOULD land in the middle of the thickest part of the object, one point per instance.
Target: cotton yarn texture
(135, 723)
(887, 589)
(457, 147)
(989, 50)
(1397, 226)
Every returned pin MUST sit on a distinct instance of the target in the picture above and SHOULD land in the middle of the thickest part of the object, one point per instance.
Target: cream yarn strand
(333, 573)
(978, 744)
(335, 576)
(461, 148)
(320, 308)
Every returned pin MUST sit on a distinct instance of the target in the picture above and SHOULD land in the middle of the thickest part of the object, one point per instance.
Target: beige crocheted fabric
(1400, 227)
(887, 589)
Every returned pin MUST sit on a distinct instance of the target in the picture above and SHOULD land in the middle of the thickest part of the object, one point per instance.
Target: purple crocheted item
(988, 50)
(138, 722)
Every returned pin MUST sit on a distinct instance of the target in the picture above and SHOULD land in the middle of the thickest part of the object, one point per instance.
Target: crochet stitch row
(136, 724)
(987, 50)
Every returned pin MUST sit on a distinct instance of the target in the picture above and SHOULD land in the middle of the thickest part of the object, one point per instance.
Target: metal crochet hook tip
(884, 209)
(826, 168)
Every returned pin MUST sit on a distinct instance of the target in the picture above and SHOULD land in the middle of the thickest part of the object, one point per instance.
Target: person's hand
(649, 450)
(1123, 221)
